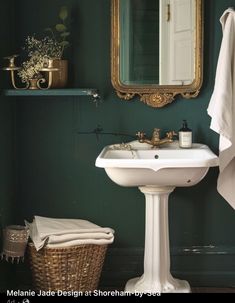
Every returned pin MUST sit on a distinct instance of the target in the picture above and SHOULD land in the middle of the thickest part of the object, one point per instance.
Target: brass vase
(33, 84)
(60, 77)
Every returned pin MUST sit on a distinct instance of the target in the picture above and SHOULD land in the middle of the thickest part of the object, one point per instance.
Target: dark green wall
(7, 136)
(56, 175)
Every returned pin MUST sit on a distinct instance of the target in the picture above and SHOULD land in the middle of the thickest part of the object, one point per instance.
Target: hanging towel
(67, 232)
(222, 108)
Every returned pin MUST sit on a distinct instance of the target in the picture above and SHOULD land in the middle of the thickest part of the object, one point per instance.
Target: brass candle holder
(31, 83)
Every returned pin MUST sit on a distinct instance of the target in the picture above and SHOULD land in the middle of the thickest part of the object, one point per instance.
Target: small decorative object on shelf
(44, 67)
(33, 82)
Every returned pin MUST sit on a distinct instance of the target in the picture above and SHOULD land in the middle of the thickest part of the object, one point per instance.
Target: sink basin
(156, 172)
(141, 165)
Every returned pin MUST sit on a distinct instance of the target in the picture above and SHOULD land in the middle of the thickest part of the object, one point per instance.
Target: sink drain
(156, 157)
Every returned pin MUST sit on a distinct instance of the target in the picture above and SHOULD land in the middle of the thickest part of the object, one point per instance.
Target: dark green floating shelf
(52, 92)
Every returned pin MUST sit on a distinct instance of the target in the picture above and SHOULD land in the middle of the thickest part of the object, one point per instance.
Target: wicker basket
(71, 268)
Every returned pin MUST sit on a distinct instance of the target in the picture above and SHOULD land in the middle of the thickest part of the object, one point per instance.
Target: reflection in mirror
(158, 42)
(139, 26)
(157, 49)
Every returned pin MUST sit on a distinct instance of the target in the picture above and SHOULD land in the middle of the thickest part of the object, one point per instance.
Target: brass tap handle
(171, 134)
(141, 135)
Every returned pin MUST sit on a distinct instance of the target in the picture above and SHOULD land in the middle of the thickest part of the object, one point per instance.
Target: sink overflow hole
(189, 181)
(156, 157)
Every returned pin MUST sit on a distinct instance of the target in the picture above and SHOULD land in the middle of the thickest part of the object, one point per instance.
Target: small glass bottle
(185, 136)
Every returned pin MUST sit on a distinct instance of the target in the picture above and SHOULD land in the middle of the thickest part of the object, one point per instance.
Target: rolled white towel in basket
(67, 232)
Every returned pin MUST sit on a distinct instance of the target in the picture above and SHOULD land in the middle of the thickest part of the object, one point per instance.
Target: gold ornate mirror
(157, 49)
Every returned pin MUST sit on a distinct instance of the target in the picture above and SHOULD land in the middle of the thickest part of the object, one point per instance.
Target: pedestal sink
(156, 172)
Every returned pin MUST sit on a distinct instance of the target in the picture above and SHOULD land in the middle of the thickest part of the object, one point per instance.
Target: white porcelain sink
(168, 166)
(156, 172)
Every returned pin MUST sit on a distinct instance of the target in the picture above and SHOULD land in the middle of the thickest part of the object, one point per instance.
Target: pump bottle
(185, 136)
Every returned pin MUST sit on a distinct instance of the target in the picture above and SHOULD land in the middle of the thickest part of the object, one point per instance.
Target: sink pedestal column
(157, 277)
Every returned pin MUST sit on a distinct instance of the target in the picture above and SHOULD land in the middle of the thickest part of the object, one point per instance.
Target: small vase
(60, 77)
(33, 84)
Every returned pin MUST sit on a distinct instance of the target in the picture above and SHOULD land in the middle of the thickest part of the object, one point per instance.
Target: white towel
(67, 232)
(222, 108)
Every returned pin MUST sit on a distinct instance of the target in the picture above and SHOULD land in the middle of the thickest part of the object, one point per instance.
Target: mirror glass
(157, 44)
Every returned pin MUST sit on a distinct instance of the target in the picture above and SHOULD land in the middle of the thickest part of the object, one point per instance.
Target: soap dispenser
(185, 136)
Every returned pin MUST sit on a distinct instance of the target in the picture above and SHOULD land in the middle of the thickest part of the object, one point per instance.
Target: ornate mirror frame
(155, 95)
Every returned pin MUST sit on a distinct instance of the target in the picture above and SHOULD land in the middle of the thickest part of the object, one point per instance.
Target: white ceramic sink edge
(143, 156)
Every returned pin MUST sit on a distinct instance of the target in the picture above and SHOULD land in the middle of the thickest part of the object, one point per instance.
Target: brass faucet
(156, 141)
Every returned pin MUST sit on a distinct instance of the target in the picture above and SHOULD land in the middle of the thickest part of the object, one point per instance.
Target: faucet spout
(156, 137)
